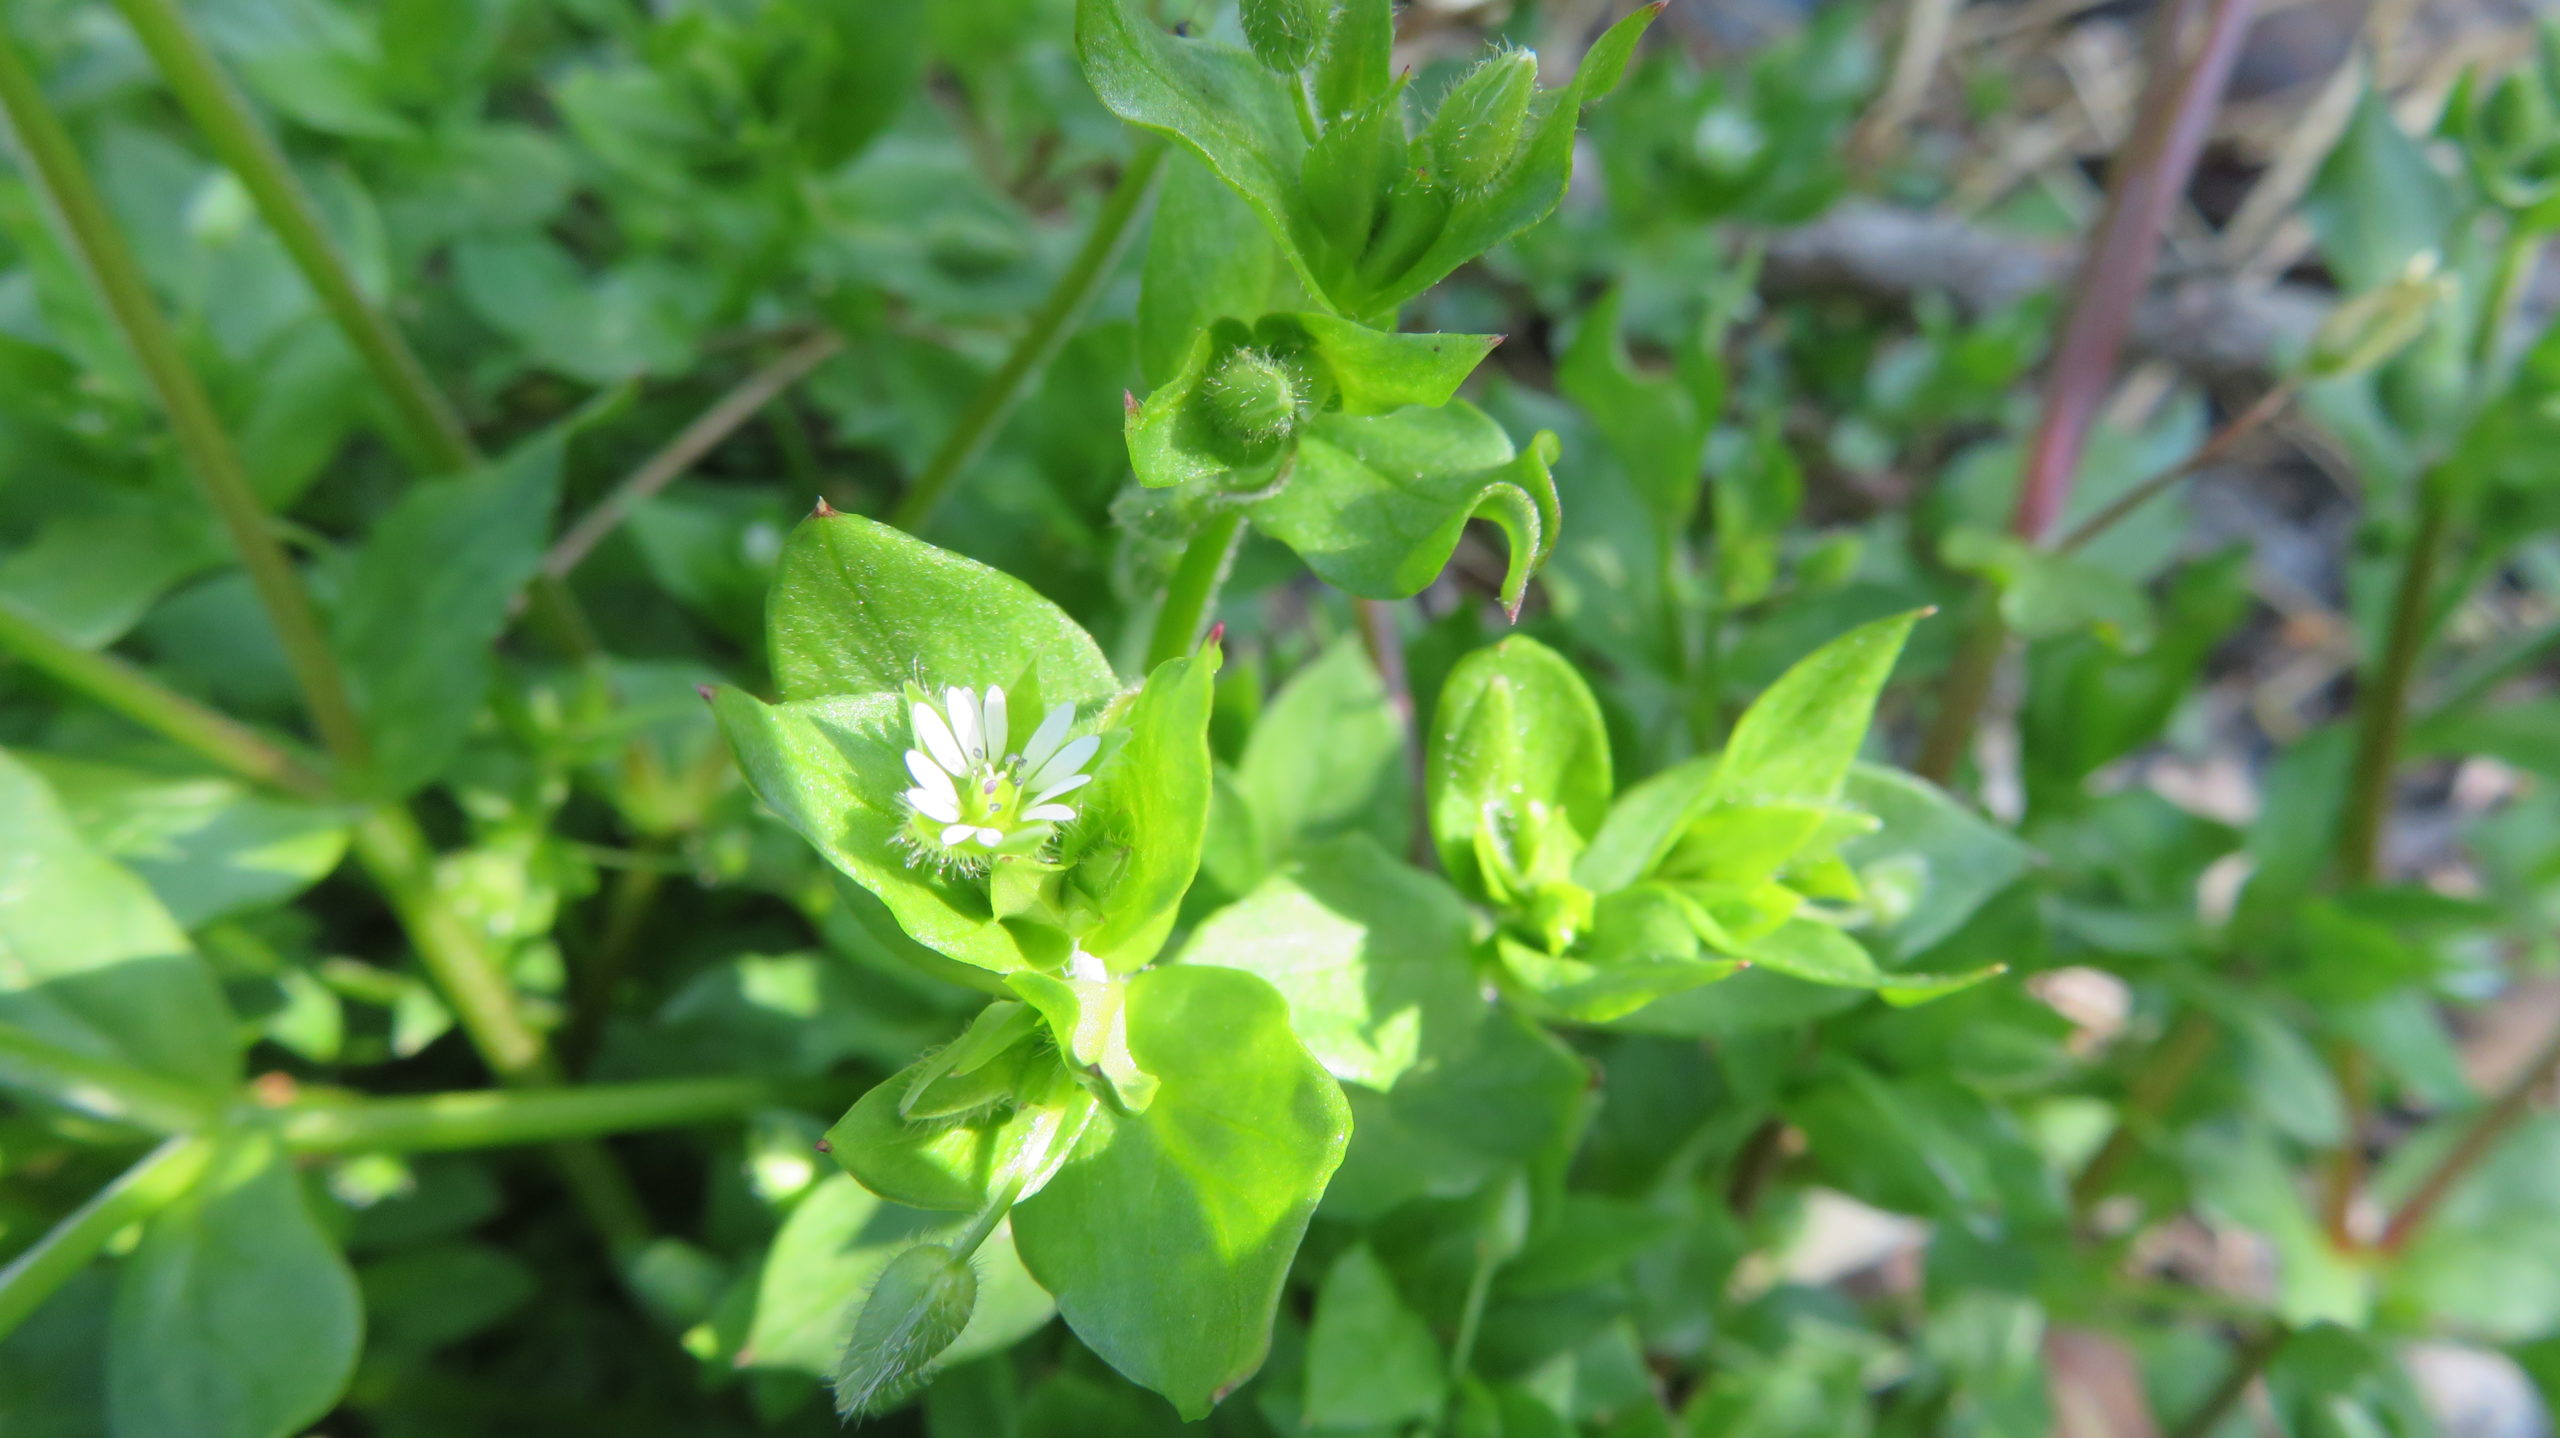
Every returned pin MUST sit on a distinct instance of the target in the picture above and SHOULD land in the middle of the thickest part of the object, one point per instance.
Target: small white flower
(972, 798)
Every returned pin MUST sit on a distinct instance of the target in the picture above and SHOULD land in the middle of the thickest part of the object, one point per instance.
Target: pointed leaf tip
(705, 691)
(1129, 402)
(824, 510)
(1217, 635)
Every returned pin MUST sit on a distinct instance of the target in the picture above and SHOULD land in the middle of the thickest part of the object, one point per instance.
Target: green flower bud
(1475, 135)
(1284, 33)
(1253, 396)
(2372, 327)
(922, 1301)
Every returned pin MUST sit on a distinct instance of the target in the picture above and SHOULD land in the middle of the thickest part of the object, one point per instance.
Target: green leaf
(1645, 822)
(835, 1246)
(1208, 259)
(1356, 65)
(1755, 498)
(1819, 953)
(2378, 200)
(1931, 864)
(1137, 837)
(2239, 1176)
(428, 597)
(89, 960)
(1377, 371)
(1376, 505)
(208, 846)
(948, 1163)
(1327, 759)
(1516, 735)
(861, 608)
(1167, 1235)
(1232, 112)
(1798, 739)
(1371, 1360)
(1370, 954)
(90, 574)
(1656, 424)
(2044, 594)
(235, 1318)
(1642, 948)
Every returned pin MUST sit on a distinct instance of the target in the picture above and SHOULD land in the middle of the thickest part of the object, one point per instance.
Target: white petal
(936, 738)
(965, 722)
(996, 720)
(1052, 813)
(1046, 739)
(957, 834)
(935, 806)
(991, 837)
(931, 776)
(1066, 761)
(1063, 786)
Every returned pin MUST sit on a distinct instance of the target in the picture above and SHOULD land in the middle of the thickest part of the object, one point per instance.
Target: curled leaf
(1376, 506)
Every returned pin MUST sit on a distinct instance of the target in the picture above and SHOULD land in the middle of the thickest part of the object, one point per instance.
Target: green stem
(474, 983)
(982, 1225)
(102, 1088)
(1462, 1349)
(2248, 421)
(2383, 706)
(490, 1118)
(2506, 285)
(54, 163)
(1083, 279)
(1967, 687)
(2246, 1365)
(223, 114)
(687, 449)
(1194, 590)
(2476, 1143)
(2162, 1076)
(137, 696)
(142, 1190)
(471, 978)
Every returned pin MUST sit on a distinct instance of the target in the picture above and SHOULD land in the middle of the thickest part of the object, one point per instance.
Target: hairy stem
(1194, 589)
(66, 1248)
(228, 124)
(54, 164)
(490, 1118)
(133, 693)
(1075, 289)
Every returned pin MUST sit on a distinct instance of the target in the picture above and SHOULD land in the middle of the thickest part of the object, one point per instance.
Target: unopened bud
(1253, 396)
(1284, 33)
(2372, 327)
(922, 1301)
(1475, 134)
